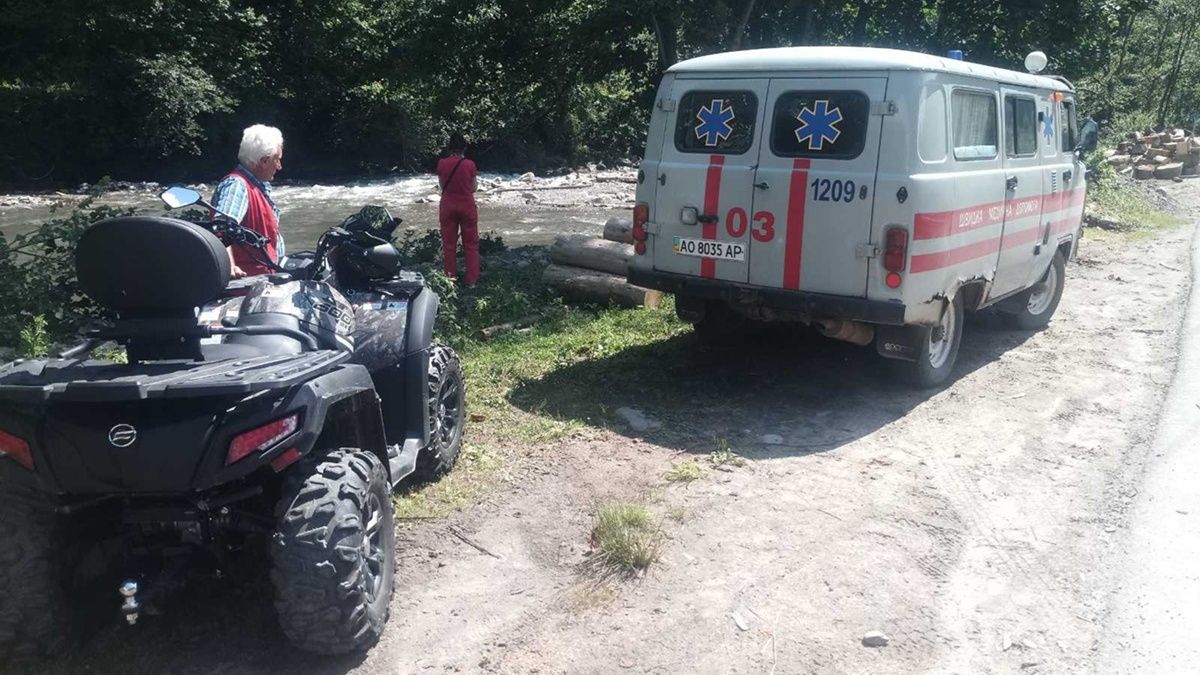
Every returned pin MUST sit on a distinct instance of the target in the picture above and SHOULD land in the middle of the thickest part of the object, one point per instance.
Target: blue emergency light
(955, 54)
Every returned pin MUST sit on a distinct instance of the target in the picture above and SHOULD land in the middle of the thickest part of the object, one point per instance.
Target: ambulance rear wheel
(1038, 304)
(938, 349)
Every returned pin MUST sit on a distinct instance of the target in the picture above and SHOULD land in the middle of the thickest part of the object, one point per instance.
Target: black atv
(284, 423)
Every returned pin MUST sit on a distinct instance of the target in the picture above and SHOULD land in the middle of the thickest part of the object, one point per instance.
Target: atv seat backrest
(153, 272)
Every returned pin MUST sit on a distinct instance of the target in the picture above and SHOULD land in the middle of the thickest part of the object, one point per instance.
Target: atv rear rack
(39, 381)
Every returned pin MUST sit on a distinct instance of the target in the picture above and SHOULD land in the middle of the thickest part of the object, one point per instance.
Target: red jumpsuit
(457, 213)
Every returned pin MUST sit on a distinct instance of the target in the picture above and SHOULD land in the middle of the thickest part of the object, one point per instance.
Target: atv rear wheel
(447, 408)
(34, 617)
(333, 553)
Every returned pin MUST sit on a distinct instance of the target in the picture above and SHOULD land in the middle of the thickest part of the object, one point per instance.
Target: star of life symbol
(715, 122)
(1048, 127)
(819, 125)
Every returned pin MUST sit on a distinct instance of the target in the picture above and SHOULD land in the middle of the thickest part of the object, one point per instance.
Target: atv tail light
(16, 449)
(895, 252)
(262, 438)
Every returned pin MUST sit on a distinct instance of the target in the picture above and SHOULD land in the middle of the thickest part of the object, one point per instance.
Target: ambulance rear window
(824, 124)
(716, 121)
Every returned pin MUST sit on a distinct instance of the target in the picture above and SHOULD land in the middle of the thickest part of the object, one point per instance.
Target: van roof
(855, 58)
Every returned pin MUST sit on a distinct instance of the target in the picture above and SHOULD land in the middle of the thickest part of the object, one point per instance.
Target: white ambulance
(875, 194)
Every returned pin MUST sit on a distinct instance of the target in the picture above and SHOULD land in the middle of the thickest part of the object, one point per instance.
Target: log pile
(1166, 155)
(592, 269)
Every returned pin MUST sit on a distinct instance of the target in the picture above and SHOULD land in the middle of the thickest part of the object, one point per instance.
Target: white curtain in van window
(974, 125)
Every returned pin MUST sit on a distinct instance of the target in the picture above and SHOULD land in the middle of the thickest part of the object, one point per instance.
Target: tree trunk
(739, 30)
(619, 229)
(593, 253)
(859, 34)
(664, 31)
(1185, 36)
(592, 286)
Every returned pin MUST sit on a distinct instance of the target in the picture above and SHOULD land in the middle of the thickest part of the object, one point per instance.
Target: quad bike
(285, 422)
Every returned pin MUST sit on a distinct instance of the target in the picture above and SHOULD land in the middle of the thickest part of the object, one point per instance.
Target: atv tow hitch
(130, 607)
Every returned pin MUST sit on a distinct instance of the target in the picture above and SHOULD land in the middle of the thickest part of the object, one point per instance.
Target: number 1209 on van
(875, 194)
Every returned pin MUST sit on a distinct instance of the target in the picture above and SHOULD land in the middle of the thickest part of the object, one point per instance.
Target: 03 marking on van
(715, 122)
(819, 124)
(736, 222)
(717, 250)
(764, 226)
(825, 190)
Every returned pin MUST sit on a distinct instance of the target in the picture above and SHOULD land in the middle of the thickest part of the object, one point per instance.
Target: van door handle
(763, 185)
(707, 218)
(662, 179)
(1011, 183)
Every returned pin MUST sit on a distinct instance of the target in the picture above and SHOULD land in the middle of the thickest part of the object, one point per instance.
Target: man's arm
(232, 199)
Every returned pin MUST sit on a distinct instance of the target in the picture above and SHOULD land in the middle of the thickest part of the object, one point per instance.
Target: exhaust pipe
(854, 332)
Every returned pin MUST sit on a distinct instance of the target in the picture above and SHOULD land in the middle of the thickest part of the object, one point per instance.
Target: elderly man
(245, 194)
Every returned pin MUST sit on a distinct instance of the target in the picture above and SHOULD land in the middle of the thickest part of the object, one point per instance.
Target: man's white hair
(259, 141)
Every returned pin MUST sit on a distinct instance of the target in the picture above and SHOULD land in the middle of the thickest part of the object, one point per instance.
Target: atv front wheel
(333, 553)
(447, 409)
(33, 609)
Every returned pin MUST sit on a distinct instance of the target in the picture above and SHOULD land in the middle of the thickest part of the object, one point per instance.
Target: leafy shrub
(37, 277)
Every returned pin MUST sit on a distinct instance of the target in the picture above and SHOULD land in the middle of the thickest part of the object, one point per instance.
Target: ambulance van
(875, 194)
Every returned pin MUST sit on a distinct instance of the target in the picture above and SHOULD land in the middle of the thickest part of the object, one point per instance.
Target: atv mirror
(179, 196)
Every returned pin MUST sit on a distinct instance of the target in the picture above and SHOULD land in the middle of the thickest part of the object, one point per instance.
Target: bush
(37, 278)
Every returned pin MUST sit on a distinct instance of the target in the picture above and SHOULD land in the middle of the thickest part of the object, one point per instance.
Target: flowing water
(309, 209)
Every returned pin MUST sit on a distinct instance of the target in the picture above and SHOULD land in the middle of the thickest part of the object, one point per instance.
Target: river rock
(875, 639)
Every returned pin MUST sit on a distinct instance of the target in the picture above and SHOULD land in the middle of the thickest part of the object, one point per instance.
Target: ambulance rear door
(705, 177)
(810, 226)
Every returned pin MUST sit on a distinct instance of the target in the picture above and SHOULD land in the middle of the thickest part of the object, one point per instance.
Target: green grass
(724, 455)
(684, 472)
(626, 538)
(504, 426)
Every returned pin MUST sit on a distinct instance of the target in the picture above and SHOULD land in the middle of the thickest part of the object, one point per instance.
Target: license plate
(703, 248)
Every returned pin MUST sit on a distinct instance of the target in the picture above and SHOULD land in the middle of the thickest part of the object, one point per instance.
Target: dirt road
(975, 526)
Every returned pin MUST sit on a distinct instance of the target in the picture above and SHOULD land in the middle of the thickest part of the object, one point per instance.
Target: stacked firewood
(592, 269)
(1166, 155)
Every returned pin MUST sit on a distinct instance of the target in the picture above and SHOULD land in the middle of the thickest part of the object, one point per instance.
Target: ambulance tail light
(641, 215)
(895, 255)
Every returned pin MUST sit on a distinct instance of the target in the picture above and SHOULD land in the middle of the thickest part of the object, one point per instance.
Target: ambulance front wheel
(1035, 306)
(938, 349)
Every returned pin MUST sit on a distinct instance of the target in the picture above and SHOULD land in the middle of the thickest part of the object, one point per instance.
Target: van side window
(1070, 132)
(716, 122)
(931, 136)
(824, 124)
(1020, 126)
(975, 132)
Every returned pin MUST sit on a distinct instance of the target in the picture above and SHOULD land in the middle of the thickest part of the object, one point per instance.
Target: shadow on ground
(816, 394)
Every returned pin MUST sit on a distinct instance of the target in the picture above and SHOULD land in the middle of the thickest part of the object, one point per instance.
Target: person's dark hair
(457, 143)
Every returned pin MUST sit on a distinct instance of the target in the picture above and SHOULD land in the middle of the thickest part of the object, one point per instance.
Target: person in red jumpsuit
(457, 212)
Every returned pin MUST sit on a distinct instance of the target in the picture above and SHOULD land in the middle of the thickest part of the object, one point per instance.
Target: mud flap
(899, 342)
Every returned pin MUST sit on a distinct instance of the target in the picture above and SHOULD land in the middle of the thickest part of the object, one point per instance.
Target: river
(522, 210)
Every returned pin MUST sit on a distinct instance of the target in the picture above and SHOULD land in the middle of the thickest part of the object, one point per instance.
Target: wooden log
(1168, 171)
(1143, 171)
(1119, 160)
(1190, 159)
(619, 229)
(1191, 170)
(593, 286)
(593, 253)
(1171, 148)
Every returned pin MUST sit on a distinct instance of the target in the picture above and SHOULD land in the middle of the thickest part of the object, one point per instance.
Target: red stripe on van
(793, 245)
(938, 224)
(712, 198)
(932, 261)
